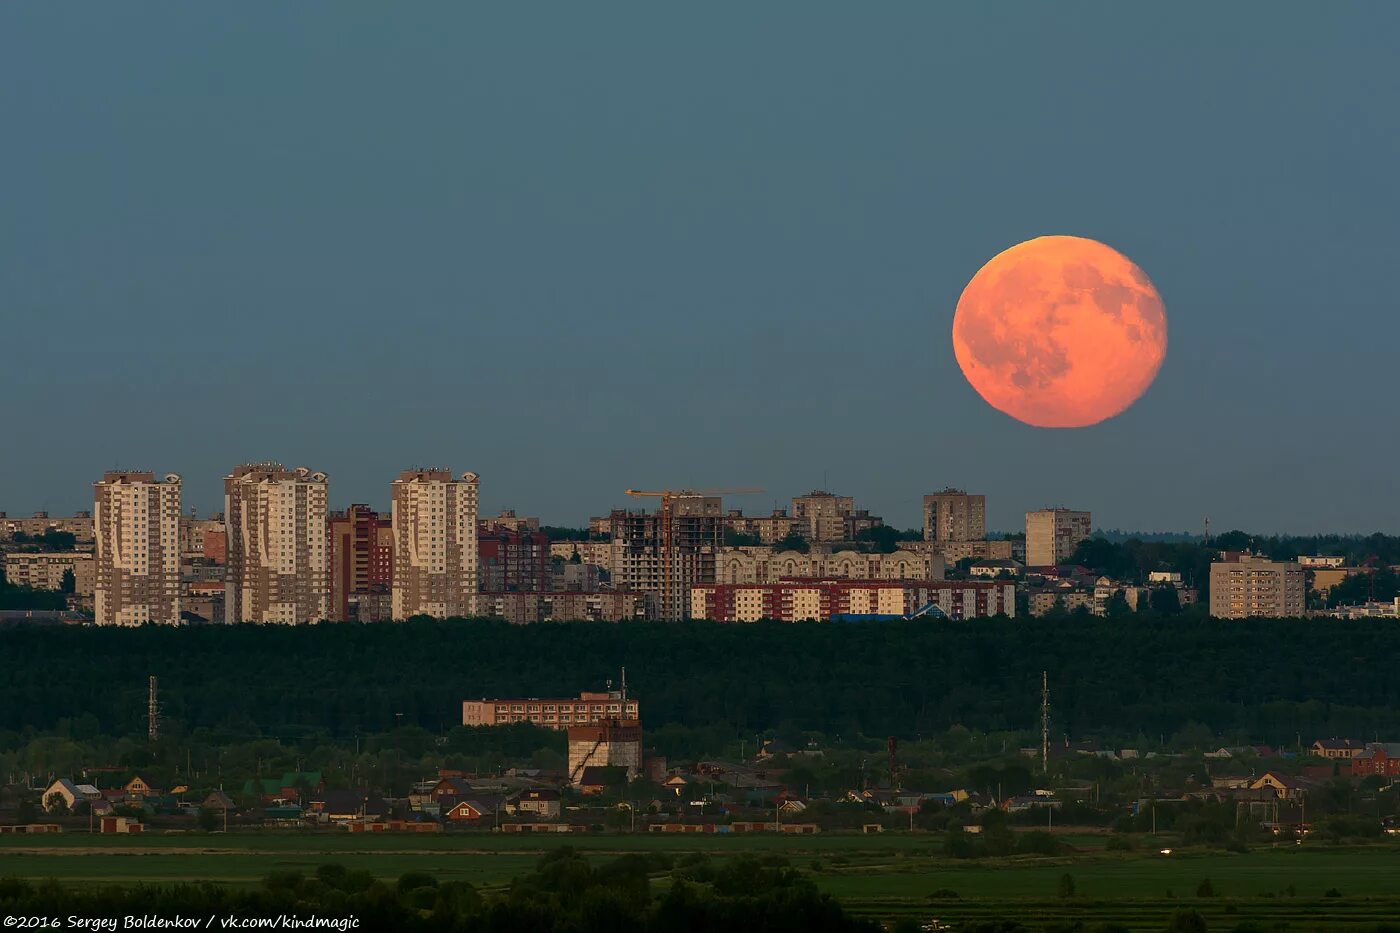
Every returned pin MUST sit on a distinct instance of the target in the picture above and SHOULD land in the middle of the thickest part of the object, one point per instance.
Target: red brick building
(361, 562)
(795, 600)
(512, 560)
(1377, 758)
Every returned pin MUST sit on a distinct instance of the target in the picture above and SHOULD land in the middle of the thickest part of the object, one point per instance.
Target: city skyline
(578, 256)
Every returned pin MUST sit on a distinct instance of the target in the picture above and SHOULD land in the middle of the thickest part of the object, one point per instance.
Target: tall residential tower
(136, 524)
(434, 520)
(278, 565)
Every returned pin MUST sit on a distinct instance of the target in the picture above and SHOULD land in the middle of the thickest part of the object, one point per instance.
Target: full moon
(1060, 332)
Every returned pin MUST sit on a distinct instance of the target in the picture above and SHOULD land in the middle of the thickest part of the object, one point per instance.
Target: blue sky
(578, 248)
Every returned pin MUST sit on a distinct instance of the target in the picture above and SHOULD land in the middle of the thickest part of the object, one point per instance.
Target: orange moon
(1060, 332)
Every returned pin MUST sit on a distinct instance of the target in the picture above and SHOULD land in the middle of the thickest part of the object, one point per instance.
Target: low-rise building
(566, 606)
(760, 565)
(610, 743)
(1335, 748)
(817, 599)
(587, 709)
(1377, 758)
(46, 571)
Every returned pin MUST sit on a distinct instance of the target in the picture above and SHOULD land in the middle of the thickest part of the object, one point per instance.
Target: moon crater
(1060, 332)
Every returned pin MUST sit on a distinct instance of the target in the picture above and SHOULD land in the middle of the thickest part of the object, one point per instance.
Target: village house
(1285, 786)
(1337, 748)
(543, 802)
(70, 793)
(1377, 758)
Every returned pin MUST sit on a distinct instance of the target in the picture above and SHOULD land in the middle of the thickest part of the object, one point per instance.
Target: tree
(207, 819)
(1186, 920)
(1165, 600)
(56, 804)
(1066, 885)
(792, 541)
(69, 583)
(1117, 605)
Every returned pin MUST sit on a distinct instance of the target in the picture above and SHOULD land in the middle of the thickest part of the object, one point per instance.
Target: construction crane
(666, 519)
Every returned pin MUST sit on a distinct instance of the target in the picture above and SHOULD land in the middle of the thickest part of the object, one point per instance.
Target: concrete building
(763, 565)
(362, 564)
(587, 708)
(512, 560)
(769, 529)
(568, 606)
(822, 516)
(79, 526)
(435, 544)
(819, 600)
(1244, 586)
(597, 553)
(45, 571)
(954, 551)
(278, 557)
(641, 562)
(954, 515)
(204, 538)
(511, 522)
(1053, 534)
(136, 524)
(611, 743)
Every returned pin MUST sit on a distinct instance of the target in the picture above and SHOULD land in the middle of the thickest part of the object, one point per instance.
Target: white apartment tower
(434, 517)
(136, 524)
(278, 550)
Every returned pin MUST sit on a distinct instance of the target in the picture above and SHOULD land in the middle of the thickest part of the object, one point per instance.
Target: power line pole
(1044, 721)
(152, 712)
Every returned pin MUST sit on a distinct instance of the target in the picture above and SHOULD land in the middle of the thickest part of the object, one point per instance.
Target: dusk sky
(583, 247)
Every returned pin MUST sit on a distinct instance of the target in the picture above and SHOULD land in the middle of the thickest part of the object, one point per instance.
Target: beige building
(278, 552)
(611, 743)
(564, 606)
(1053, 534)
(597, 553)
(1244, 586)
(822, 516)
(954, 551)
(760, 565)
(821, 599)
(769, 528)
(45, 571)
(585, 709)
(510, 522)
(954, 515)
(79, 526)
(435, 536)
(136, 524)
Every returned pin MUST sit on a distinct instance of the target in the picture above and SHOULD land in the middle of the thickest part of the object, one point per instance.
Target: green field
(885, 876)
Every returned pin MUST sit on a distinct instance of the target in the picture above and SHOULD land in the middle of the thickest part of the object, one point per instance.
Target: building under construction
(664, 553)
(610, 743)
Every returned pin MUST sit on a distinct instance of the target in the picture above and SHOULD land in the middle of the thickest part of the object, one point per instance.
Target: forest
(1275, 681)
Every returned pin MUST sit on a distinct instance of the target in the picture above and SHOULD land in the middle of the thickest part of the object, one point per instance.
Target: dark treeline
(565, 892)
(1273, 681)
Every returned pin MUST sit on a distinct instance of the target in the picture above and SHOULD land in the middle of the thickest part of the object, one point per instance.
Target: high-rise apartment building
(1053, 534)
(136, 524)
(435, 541)
(662, 561)
(362, 564)
(954, 515)
(278, 556)
(1244, 586)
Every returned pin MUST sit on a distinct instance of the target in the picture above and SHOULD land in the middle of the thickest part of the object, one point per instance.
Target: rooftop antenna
(152, 712)
(1044, 721)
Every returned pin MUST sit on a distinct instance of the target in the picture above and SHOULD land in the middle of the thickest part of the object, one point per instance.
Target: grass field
(885, 876)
